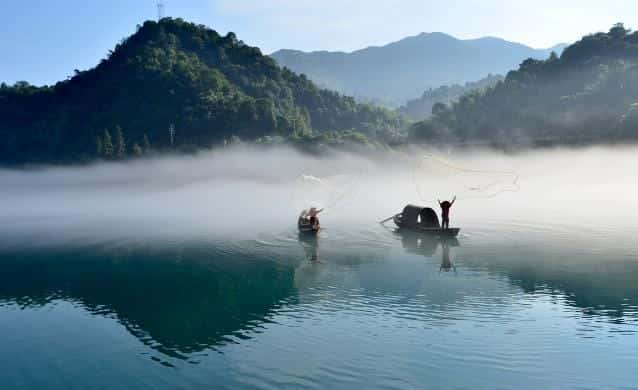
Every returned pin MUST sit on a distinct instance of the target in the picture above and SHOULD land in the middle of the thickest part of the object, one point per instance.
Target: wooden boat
(423, 220)
(308, 229)
(305, 227)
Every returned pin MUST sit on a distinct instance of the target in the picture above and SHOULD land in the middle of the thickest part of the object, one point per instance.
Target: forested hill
(421, 108)
(402, 70)
(208, 87)
(587, 95)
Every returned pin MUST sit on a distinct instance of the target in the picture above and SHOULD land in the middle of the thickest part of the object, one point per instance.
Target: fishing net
(436, 177)
(328, 192)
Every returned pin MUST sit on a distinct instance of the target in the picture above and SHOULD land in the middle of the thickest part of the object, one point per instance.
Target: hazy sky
(43, 41)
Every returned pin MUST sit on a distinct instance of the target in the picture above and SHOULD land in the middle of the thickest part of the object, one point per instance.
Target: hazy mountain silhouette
(587, 95)
(402, 70)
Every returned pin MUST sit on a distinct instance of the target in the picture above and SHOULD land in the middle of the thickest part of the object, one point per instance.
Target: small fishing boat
(305, 227)
(305, 224)
(423, 220)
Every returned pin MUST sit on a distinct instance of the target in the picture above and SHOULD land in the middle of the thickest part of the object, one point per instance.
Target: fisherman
(445, 212)
(314, 220)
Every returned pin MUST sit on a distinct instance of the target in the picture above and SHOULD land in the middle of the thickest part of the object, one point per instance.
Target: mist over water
(243, 193)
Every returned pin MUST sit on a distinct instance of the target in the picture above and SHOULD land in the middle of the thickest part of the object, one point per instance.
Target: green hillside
(209, 87)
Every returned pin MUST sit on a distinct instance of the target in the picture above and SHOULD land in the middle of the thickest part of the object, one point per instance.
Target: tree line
(111, 149)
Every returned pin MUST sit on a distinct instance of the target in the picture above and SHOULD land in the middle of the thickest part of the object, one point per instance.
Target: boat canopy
(416, 216)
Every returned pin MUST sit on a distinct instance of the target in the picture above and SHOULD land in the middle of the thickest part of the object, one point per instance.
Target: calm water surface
(505, 306)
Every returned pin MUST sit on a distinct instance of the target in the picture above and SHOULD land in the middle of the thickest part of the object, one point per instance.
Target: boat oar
(386, 220)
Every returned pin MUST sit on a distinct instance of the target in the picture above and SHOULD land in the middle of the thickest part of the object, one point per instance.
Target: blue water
(505, 306)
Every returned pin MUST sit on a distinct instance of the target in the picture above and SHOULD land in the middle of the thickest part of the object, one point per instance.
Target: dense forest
(589, 94)
(177, 85)
(421, 108)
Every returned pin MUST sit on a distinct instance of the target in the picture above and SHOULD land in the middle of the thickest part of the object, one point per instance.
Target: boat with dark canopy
(423, 220)
(304, 222)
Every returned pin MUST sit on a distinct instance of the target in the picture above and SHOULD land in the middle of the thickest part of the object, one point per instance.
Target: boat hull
(307, 228)
(433, 231)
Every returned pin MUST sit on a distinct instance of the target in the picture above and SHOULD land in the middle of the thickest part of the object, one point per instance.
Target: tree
(146, 145)
(618, 31)
(99, 149)
(21, 85)
(137, 150)
(107, 145)
(439, 109)
(120, 143)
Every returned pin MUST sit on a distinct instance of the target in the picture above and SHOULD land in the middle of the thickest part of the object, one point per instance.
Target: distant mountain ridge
(587, 95)
(402, 70)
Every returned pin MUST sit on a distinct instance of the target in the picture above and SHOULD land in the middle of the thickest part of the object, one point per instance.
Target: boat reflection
(310, 244)
(418, 244)
(424, 245)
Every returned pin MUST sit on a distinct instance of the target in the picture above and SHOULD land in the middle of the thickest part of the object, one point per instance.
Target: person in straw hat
(314, 220)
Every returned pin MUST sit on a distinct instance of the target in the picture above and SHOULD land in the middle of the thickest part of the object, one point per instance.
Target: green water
(505, 306)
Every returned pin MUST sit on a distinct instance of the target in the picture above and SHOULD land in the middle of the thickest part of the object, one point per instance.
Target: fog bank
(242, 193)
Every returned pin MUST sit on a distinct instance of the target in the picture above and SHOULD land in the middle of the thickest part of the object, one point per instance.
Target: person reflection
(310, 244)
(446, 263)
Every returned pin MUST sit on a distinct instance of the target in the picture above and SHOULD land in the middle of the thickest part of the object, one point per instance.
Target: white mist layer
(243, 193)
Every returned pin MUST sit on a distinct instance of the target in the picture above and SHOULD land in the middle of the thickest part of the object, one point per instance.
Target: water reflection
(188, 300)
(178, 302)
(418, 243)
(595, 280)
(595, 283)
(310, 245)
(446, 263)
(424, 245)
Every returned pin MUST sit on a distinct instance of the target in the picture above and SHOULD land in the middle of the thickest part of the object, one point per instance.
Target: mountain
(587, 95)
(421, 108)
(175, 75)
(402, 70)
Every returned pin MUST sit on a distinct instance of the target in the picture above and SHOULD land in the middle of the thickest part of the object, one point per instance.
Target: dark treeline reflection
(177, 302)
(597, 282)
(188, 300)
(606, 288)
